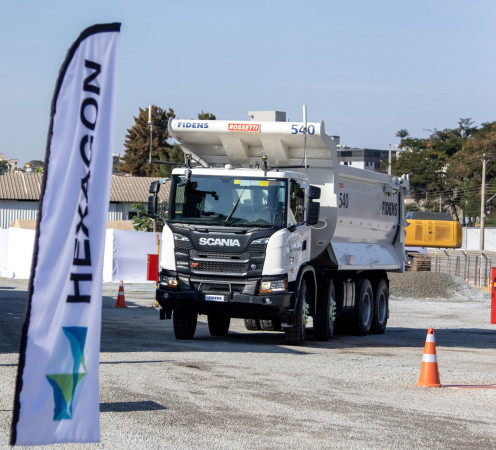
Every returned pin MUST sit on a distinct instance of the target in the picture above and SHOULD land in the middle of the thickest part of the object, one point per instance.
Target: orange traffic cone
(429, 373)
(121, 300)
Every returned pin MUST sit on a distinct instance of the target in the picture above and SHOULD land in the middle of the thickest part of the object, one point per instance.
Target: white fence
(125, 254)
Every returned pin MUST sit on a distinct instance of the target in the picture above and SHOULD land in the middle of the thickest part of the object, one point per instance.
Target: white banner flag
(57, 390)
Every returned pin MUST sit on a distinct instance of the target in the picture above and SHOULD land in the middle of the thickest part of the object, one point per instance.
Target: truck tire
(364, 308)
(381, 308)
(253, 324)
(218, 324)
(295, 335)
(323, 323)
(270, 324)
(184, 323)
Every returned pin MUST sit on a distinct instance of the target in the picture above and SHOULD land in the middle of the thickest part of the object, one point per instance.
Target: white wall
(471, 239)
(4, 253)
(20, 252)
(125, 254)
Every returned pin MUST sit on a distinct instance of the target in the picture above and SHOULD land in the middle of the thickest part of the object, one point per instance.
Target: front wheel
(295, 335)
(323, 326)
(184, 323)
(381, 308)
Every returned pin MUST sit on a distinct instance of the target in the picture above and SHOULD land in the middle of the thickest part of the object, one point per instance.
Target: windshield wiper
(235, 206)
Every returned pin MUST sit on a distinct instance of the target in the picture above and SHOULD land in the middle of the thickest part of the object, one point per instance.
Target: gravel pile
(432, 285)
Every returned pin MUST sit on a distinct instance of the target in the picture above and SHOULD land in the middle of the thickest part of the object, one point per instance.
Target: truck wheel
(184, 323)
(253, 324)
(381, 308)
(364, 308)
(270, 324)
(323, 325)
(218, 324)
(295, 335)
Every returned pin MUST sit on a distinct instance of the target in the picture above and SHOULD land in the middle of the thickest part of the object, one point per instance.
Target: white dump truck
(265, 225)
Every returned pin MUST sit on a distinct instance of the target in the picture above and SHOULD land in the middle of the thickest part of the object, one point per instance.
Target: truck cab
(239, 238)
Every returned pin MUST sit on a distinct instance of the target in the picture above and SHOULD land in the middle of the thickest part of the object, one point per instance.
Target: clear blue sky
(368, 68)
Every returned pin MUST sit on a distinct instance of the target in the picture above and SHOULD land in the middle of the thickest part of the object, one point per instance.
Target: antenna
(150, 123)
(264, 159)
(305, 134)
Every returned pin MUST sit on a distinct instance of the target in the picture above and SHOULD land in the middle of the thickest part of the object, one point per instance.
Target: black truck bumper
(234, 304)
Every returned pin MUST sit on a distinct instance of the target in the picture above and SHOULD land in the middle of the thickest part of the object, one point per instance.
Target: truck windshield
(228, 201)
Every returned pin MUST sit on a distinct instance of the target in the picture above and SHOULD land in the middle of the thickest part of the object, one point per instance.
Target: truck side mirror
(313, 213)
(314, 192)
(152, 206)
(154, 187)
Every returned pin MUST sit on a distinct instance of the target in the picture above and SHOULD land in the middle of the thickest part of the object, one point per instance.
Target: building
(13, 163)
(364, 158)
(20, 194)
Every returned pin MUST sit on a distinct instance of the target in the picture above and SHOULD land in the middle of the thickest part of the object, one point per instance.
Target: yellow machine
(429, 229)
(438, 230)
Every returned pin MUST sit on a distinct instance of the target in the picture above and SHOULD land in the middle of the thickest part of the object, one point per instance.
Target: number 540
(301, 130)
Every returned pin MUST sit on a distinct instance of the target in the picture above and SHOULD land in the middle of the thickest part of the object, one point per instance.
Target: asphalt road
(250, 391)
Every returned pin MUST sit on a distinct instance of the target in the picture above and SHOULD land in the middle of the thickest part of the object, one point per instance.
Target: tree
(137, 144)
(445, 168)
(175, 155)
(4, 166)
(142, 222)
(37, 165)
(206, 116)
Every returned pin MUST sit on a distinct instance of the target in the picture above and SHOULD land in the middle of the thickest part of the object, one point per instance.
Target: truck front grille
(221, 287)
(220, 266)
(257, 248)
(218, 255)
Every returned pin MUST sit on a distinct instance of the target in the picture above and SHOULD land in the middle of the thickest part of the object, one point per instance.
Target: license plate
(214, 298)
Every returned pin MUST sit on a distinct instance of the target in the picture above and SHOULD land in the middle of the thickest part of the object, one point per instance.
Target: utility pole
(389, 160)
(150, 123)
(483, 201)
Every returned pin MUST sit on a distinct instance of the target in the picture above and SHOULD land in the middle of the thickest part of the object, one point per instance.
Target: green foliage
(446, 167)
(142, 222)
(411, 207)
(137, 143)
(175, 154)
(206, 116)
(4, 167)
(36, 164)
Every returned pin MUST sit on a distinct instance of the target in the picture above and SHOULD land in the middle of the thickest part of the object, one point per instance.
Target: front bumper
(232, 304)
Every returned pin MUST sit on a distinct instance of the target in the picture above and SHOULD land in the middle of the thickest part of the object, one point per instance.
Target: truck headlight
(262, 241)
(273, 286)
(169, 282)
(181, 242)
(258, 245)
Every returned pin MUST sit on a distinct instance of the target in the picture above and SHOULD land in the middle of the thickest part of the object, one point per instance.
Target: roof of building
(115, 224)
(124, 189)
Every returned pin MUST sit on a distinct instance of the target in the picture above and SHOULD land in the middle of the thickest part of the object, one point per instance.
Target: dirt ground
(250, 391)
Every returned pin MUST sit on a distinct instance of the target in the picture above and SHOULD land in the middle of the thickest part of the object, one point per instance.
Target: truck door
(299, 242)
(296, 215)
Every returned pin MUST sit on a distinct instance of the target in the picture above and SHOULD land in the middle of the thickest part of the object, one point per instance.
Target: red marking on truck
(243, 127)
